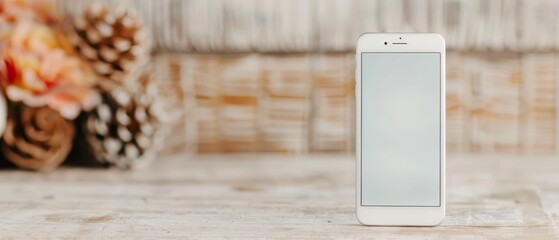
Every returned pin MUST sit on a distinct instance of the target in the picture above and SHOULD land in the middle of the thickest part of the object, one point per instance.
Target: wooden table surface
(270, 196)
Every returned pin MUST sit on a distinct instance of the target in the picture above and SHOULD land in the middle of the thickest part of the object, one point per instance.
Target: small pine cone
(37, 139)
(124, 130)
(113, 40)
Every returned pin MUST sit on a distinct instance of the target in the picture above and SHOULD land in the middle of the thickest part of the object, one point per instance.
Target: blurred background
(203, 79)
(278, 75)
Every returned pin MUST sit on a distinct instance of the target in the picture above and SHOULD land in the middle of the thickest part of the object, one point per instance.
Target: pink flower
(40, 69)
(13, 12)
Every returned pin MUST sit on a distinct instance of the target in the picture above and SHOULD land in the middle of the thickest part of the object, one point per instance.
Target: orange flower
(40, 69)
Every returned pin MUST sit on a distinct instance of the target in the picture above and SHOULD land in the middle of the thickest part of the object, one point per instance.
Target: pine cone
(124, 130)
(38, 139)
(113, 40)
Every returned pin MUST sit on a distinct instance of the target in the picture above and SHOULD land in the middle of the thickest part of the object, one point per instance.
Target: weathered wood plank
(270, 196)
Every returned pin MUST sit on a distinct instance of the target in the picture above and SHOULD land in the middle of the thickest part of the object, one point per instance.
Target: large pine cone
(38, 139)
(124, 130)
(113, 40)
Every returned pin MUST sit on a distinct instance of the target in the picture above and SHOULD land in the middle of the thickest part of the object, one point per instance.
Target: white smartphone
(400, 96)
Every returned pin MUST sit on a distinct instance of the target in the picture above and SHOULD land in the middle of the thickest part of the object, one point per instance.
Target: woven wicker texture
(334, 25)
(301, 103)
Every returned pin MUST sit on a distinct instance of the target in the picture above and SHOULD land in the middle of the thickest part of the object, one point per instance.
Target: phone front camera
(385, 43)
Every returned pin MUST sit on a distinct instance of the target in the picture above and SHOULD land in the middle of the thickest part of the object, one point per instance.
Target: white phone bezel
(414, 42)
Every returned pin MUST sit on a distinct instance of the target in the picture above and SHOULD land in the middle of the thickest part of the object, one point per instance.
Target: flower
(40, 68)
(13, 12)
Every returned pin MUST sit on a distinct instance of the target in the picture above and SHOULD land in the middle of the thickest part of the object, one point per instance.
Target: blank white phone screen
(401, 128)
